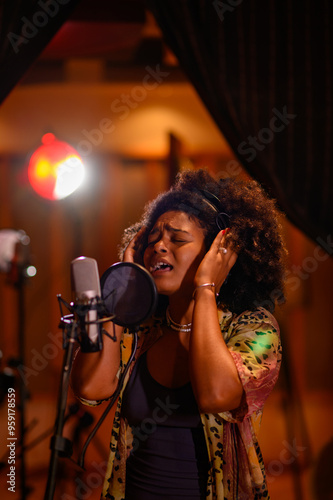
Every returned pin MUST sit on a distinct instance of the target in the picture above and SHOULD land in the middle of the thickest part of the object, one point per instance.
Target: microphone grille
(85, 278)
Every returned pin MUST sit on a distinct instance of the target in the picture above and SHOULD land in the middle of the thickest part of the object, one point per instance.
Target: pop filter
(129, 292)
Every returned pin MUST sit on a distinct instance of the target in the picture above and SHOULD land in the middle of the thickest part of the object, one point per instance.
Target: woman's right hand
(134, 248)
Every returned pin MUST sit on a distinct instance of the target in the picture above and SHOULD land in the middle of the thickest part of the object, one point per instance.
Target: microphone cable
(112, 401)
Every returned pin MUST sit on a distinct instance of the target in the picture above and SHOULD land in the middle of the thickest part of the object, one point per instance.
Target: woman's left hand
(216, 264)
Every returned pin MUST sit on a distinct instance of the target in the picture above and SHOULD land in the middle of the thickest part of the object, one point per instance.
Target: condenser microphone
(126, 293)
(87, 296)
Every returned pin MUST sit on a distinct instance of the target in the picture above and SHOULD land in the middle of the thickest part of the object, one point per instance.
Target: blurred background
(125, 84)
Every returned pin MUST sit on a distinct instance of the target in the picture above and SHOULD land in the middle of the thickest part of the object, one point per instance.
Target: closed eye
(173, 240)
(154, 235)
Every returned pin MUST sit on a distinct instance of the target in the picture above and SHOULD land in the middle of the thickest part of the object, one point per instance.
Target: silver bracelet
(200, 286)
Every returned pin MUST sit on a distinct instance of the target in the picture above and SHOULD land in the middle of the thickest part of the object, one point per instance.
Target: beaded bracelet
(204, 284)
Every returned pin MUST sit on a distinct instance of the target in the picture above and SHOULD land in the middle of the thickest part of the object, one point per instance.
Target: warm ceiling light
(55, 169)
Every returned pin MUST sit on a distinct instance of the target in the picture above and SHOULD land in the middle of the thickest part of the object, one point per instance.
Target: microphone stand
(16, 265)
(17, 277)
(22, 387)
(61, 446)
(75, 330)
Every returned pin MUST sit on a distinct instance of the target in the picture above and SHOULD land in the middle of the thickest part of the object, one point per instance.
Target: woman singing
(188, 414)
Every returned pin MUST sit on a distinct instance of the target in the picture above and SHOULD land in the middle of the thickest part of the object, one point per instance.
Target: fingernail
(223, 232)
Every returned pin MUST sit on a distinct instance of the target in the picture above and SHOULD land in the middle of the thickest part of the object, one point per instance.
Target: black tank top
(169, 458)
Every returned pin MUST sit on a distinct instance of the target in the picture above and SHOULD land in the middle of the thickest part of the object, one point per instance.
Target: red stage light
(55, 169)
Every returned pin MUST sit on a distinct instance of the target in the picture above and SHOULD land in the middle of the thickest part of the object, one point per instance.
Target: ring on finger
(223, 249)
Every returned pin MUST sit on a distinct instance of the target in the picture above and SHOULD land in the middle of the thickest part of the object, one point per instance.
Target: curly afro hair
(257, 278)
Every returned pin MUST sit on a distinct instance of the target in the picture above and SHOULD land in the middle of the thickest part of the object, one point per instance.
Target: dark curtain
(26, 27)
(263, 68)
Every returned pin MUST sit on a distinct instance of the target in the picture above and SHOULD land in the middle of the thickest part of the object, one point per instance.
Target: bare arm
(94, 375)
(214, 376)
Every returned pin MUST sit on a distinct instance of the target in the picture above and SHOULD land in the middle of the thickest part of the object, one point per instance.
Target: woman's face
(176, 246)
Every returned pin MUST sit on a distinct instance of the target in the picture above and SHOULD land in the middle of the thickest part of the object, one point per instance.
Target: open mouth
(160, 267)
